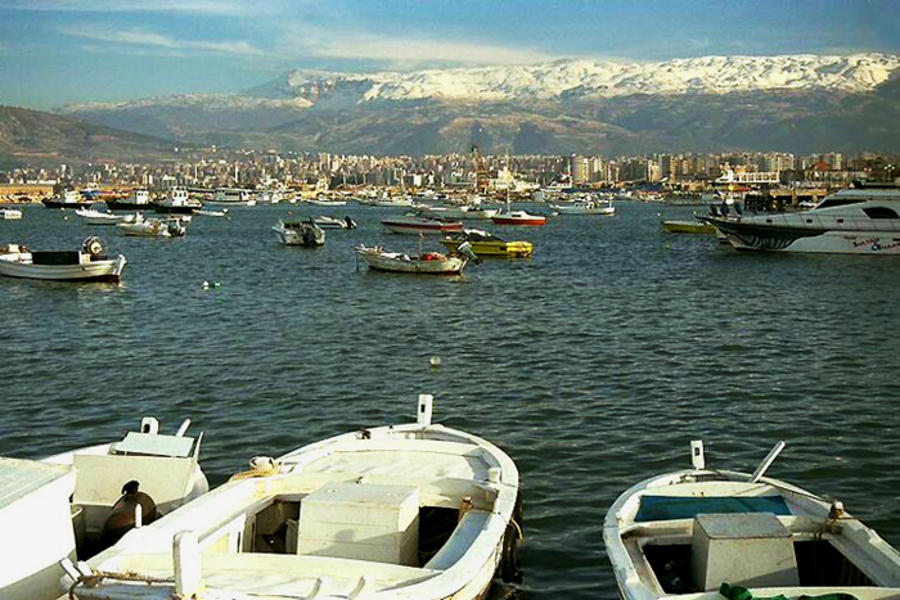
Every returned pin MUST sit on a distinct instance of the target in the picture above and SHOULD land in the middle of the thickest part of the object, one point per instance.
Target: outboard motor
(122, 517)
(95, 247)
(466, 250)
(351, 224)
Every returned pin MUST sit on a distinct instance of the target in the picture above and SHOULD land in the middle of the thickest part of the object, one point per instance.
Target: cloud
(307, 42)
(146, 38)
(215, 7)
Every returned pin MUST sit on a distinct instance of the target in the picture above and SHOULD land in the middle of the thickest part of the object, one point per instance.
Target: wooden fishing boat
(484, 243)
(416, 225)
(90, 263)
(587, 207)
(416, 511)
(701, 534)
(426, 263)
(75, 504)
(172, 227)
(677, 226)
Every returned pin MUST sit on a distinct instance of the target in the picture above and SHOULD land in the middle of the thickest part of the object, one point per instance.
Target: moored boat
(468, 212)
(89, 263)
(701, 534)
(587, 207)
(232, 197)
(326, 222)
(415, 511)
(173, 227)
(178, 202)
(861, 220)
(299, 233)
(484, 243)
(138, 200)
(426, 263)
(96, 217)
(75, 504)
(519, 217)
(9, 214)
(69, 199)
(683, 226)
(416, 225)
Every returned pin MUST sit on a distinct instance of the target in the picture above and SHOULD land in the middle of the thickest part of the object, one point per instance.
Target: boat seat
(663, 508)
(459, 542)
(56, 257)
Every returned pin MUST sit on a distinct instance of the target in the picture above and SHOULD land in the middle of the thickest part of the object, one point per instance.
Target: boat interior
(371, 512)
(695, 536)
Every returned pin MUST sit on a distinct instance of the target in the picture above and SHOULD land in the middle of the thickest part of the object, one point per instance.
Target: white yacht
(232, 197)
(861, 220)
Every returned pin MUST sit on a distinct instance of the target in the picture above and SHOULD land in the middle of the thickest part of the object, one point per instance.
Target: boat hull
(101, 270)
(401, 263)
(789, 237)
(675, 226)
(516, 249)
(413, 228)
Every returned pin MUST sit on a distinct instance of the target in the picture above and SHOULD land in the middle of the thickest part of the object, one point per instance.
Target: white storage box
(367, 522)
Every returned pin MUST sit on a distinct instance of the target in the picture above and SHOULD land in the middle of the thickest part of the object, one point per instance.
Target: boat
(326, 222)
(97, 217)
(69, 199)
(415, 225)
(682, 226)
(75, 504)
(518, 217)
(326, 201)
(299, 233)
(172, 227)
(207, 212)
(586, 207)
(89, 263)
(178, 202)
(137, 200)
(232, 197)
(415, 511)
(470, 212)
(426, 263)
(695, 533)
(9, 214)
(859, 220)
(484, 243)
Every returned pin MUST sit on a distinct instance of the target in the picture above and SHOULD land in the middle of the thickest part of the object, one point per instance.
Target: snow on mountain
(590, 78)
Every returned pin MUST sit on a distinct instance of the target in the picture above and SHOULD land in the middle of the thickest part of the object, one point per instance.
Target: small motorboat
(588, 207)
(705, 534)
(78, 503)
(97, 217)
(299, 233)
(9, 214)
(484, 243)
(326, 222)
(680, 226)
(426, 263)
(208, 212)
(172, 227)
(415, 225)
(518, 217)
(413, 511)
(69, 199)
(90, 263)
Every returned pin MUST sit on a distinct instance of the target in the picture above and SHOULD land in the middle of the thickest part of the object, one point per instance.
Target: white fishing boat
(299, 233)
(90, 263)
(586, 207)
(166, 228)
(97, 217)
(414, 225)
(72, 505)
(518, 217)
(9, 214)
(426, 263)
(705, 534)
(326, 201)
(326, 222)
(138, 200)
(178, 202)
(69, 199)
(406, 512)
(863, 220)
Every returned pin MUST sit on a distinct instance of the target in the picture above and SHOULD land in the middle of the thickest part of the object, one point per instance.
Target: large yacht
(857, 220)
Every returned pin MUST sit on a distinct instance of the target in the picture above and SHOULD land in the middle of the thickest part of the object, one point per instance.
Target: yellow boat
(687, 227)
(487, 244)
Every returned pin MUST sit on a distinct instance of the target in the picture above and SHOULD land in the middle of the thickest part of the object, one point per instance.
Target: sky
(58, 52)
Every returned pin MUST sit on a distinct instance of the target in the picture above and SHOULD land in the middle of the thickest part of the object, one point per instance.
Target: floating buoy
(435, 361)
(211, 284)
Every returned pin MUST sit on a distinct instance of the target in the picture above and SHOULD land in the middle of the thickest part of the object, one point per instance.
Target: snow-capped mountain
(792, 103)
(590, 78)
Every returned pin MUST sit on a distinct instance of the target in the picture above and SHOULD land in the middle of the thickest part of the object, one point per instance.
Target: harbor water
(593, 364)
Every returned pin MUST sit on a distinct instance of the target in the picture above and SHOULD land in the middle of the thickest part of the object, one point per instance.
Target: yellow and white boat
(676, 226)
(487, 244)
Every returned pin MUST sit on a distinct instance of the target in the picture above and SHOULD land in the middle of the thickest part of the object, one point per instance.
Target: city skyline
(79, 50)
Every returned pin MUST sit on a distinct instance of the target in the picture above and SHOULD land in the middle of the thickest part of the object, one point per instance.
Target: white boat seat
(469, 528)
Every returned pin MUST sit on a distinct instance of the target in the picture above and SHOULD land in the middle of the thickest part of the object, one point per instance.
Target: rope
(518, 530)
(94, 579)
(260, 470)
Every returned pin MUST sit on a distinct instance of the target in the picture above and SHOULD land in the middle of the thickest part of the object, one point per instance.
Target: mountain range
(795, 103)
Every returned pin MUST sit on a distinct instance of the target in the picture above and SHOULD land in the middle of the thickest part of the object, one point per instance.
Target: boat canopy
(662, 508)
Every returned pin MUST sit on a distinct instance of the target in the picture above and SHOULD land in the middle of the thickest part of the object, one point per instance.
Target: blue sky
(54, 52)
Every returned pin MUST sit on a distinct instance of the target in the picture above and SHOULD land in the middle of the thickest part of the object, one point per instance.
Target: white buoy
(435, 361)
(205, 285)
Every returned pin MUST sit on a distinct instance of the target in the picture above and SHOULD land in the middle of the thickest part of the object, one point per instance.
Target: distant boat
(424, 263)
(96, 217)
(90, 263)
(137, 200)
(519, 217)
(588, 207)
(232, 197)
(165, 228)
(415, 225)
(676, 226)
(178, 201)
(69, 199)
(326, 222)
(9, 214)
(460, 212)
(484, 243)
